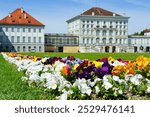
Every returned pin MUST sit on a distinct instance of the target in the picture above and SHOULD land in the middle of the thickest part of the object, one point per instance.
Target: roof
(147, 30)
(20, 17)
(99, 12)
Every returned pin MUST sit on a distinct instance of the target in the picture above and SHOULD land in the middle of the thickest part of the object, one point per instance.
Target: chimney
(25, 16)
(114, 14)
(9, 14)
(21, 10)
(93, 13)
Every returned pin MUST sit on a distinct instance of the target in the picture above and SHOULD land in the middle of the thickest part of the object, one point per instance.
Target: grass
(92, 56)
(13, 88)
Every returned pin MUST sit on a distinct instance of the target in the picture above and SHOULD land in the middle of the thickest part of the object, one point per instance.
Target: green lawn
(13, 88)
(92, 56)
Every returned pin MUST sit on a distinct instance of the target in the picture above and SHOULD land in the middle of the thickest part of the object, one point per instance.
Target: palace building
(100, 30)
(66, 43)
(140, 43)
(20, 32)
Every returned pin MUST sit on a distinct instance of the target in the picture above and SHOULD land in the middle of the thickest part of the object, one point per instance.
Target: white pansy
(65, 94)
(58, 66)
(97, 90)
(120, 92)
(44, 60)
(92, 84)
(148, 90)
(24, 78)
(116, 63)
(82, 86)
(107, 85)
(136, 79)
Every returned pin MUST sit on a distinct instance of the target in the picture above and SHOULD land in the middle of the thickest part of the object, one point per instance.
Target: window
(29, 29)
(67, 40)
(29, 48)
(18, 29)
(83, 40)
(12, 39)
(110, 32)
(23, 29)
(40, 49)
(83, 26)
(29, 39)
(104, 23)
(120, 41)
(104, 40)
(124, 33)
(24, 39)
(34, 39)
(92, 26)
(7, 48)
(120, 32)
(39, 39)
(1, 29)
(104, 32)
(87, 21)
(97, 40)
(87, 25)
(87, 32)
(87, 41)
(97, 33)
(34, 30)
(12, 29)
(18, 39)
(35, 48)
(110, 40)
(40, 30)
(24, 48)
(92, 41)
(18, 48)
(97, 22)
(1, 39)
(6, 29)
(91, 21)
(83, 31)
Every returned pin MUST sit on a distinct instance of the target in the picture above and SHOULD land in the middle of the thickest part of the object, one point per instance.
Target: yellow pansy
(97, 64)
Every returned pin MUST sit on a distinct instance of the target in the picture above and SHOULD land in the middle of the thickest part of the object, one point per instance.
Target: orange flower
(118, 70)
(130, 68)
(66, 70)
(142, 62)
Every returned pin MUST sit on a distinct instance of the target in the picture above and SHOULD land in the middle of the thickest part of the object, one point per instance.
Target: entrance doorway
(135, 49)
(107, 49)
(113, 49)
(147, 49)
(60, 49)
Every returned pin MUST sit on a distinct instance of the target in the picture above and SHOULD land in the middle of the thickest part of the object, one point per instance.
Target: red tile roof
(20, 17)
(147, 30)
(99, 12)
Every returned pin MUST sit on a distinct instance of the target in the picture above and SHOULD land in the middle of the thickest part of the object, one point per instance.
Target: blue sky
(54, 13)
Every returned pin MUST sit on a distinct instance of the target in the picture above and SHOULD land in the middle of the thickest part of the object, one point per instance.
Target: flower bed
(72, 78)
